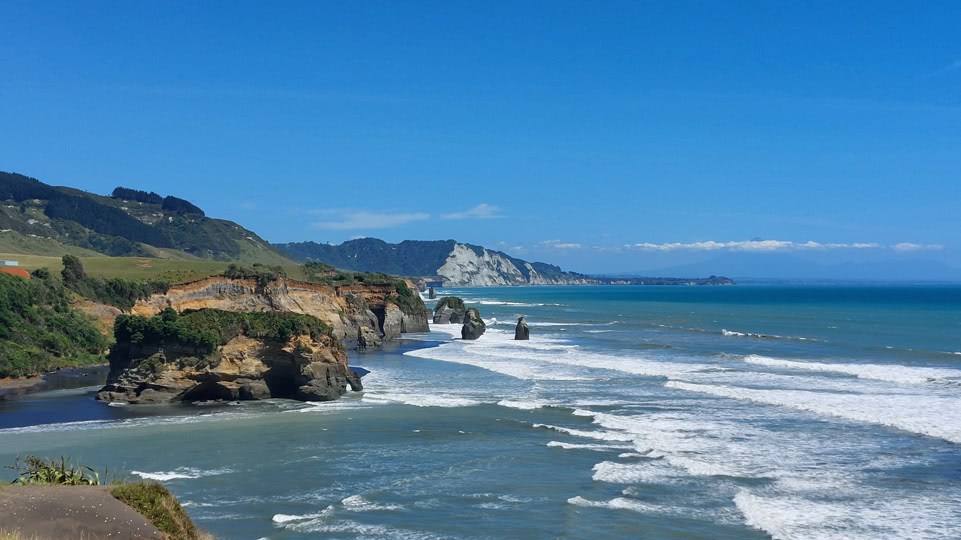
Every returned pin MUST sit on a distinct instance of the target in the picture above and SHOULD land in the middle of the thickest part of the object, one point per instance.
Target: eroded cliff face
(304, 368)
(359, 314)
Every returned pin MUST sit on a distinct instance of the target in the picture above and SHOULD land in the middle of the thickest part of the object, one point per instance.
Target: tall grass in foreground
(35, 471)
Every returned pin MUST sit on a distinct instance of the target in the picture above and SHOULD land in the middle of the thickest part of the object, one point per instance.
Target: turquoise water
(802, 412)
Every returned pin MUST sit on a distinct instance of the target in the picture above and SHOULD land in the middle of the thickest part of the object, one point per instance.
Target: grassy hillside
(37, 218)
(172, 270)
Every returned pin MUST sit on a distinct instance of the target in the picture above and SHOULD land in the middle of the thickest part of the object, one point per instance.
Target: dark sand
(70, 512)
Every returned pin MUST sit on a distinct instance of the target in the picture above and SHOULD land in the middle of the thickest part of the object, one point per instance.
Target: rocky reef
(450, 310)
(212, 354)
(474, 326)
(358, 314)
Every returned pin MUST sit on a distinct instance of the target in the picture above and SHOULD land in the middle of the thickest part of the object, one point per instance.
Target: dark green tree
(72, 270)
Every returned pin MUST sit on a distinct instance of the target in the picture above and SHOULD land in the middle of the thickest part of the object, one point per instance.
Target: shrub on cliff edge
(159, 506)
(205, 329)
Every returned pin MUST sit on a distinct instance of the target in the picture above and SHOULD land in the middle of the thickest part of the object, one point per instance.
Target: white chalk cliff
(464, 267)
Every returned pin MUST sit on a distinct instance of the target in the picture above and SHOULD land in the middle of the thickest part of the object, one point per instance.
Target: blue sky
(602, 136)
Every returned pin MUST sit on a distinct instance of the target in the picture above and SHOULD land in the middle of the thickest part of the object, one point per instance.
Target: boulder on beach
(450, 310)
(522, 331)
(474, 326)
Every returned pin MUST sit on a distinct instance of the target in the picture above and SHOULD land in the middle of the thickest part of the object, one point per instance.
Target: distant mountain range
(458, 264)
(448, 260)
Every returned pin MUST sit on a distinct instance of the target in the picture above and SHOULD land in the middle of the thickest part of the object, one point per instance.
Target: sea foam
(180, 473)
(881, 372)
(935, 416)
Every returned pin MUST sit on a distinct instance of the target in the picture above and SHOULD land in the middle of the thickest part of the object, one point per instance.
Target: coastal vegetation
(180, 206)
(451, 302)
(39, 331)
(136, 195)
(262, 274)
(406, 298)
(34, 471)
(204, 329)
(155, 502)
(118, 292)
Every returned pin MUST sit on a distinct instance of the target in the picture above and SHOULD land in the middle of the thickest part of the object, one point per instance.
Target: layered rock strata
(347, 309)
(302, 367)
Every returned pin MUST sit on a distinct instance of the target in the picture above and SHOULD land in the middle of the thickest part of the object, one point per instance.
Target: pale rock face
(465, 268)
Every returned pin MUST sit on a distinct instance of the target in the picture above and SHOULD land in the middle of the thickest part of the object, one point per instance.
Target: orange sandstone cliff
(360, 315)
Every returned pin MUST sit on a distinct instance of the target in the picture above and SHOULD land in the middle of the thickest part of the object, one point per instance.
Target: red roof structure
(16, 271)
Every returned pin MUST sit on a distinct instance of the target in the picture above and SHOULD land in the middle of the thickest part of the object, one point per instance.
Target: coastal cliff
(382, 311)
(217, 355)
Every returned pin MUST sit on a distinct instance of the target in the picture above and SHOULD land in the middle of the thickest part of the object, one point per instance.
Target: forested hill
(41, 219)
(408, 258)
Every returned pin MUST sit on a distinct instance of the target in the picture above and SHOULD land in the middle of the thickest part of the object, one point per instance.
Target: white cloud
(774, 245)
(951, 67)
(710, 245)
(558, 244)
(908, 246)
(363, 219)
(481, 211)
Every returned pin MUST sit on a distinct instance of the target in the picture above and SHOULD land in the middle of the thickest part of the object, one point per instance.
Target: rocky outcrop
(474, 326)
(450, 310)
(105, 315)
(346, 309)
(522, 331)
(303, 367)
(367, 338)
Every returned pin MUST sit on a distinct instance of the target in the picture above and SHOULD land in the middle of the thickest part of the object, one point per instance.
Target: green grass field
(175, 271)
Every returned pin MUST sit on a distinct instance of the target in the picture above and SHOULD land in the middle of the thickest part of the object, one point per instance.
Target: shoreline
(57, 379)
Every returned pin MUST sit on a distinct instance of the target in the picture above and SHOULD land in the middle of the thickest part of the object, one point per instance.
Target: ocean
(752, 411)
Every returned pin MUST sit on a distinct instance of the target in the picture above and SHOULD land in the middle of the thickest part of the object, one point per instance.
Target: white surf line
(881, 372)
(933, 416)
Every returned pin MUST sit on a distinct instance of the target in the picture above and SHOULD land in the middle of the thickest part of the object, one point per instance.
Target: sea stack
(474, 326)
(431, 294)
(522, 331)
(451, 310)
